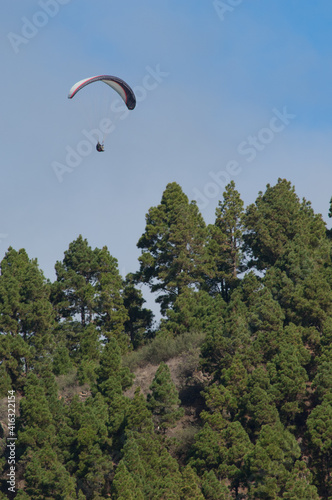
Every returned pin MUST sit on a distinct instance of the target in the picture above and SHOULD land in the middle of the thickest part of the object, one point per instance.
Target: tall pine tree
(226, 242)
(26, 315)
(174, 255)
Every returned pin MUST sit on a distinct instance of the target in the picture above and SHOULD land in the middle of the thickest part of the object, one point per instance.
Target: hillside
(229, 397)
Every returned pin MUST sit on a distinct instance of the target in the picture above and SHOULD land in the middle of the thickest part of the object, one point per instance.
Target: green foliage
(260, 406)
(253, 356)
(21, 495)
(152, 469)
(163, 348)
(139, 417)
(225, 243)
(37, 425)
(174, 255)
(124, 485)
(86, 372)
(205, 453)
(40, 414)
(266, 320)
(214, 489)
(193, 311)
(320, 441)
(89, 285)
(299, 484)
(87, 438)
(322, 382)
(62, 363)
(191, 489)
(26, 315)
(139, 324)
(111, 370)
(112, 380)
(132, 459)
(13, 351)
(288, 380)
(46, 478)
(164, 399)
(276, 218)
(88, 354)
(221, 446)
(271, 461)
(5, 380)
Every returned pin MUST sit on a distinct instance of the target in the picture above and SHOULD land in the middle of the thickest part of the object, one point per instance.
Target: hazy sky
(226, 89)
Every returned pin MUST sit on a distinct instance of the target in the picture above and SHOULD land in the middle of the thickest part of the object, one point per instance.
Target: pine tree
(266, 321)
(270, 462)
(235, 447)
(62, 363)
(276, 218)
(87, 354)
(205, 451)
(259, 401)
(132, 460)
(194, 311)
(319, 426)
(13, 351)
(155, 470)
(73, 292)
(25, 314)
(46, 478)
(112, 380)
(322, 383)
(124, 485)
(36, 420)
(226, 242)
(169, 480)
(139, 324)
(110, 309)
(174, 255)
(214, 489)
(110, 367)
(44, 473)
(89, 444)
(222, 445)
(139, 417)
(288, 380)
(299, 484)
(261, 408)
(191, 489)
(234, 335)
(164, 399)
(89, 286)
(301, 286)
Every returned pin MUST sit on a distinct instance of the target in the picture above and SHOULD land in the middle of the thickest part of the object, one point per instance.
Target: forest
(228, 397)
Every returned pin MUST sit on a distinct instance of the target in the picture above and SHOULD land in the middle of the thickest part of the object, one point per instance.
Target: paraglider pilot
(100, 147)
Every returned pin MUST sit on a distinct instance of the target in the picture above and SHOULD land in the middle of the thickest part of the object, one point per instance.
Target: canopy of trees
(251, 415)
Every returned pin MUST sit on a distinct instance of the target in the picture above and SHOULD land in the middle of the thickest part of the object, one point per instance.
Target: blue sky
(242, 90)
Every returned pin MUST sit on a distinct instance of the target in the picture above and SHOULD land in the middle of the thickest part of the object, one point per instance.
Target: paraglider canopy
(120, 86)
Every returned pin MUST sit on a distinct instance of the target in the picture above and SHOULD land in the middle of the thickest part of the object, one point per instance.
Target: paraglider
(120, 86)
